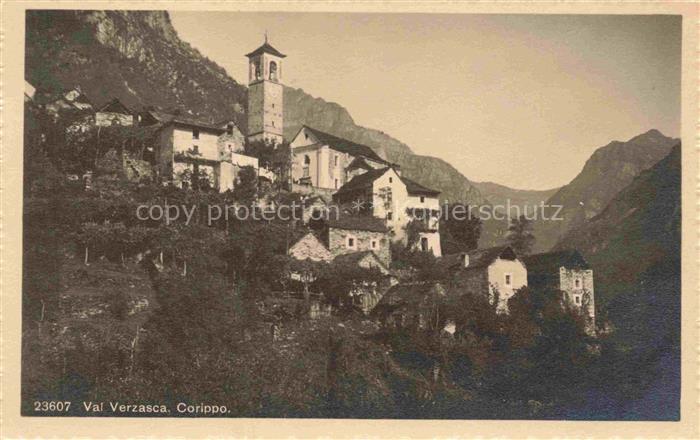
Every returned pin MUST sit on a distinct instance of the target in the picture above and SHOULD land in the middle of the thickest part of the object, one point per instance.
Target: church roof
(266, 48)
(344, 145)
(550, 262)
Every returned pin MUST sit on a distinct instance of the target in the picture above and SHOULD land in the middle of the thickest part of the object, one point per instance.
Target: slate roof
(550, 262)
(344, 145)
(359, 162)
(416, 188)
(362, 181)
(358, 223)
(408, 297)
(479, 258)
(366, 180)
(166, 119)
(116, 106)
(354, 258)
(266, 48)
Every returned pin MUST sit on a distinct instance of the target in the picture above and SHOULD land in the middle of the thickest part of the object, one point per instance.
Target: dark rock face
(139, 58)
(136, 57)
(610, 169)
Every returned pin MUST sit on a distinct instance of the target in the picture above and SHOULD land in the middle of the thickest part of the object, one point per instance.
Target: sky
(520, 100)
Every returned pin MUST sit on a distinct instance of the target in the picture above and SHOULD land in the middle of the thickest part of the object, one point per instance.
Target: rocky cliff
(138, 57)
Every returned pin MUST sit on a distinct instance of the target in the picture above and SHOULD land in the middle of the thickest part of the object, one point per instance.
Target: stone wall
(107, 119)
(362, 241)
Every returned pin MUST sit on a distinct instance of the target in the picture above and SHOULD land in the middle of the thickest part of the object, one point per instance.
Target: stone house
(356, 233)
(566, 272)
(327, 162)
(385, 194)
(496, 272)
(188, 147)
(114, 113)
(412, 306)
(310, 247)
(231, 141)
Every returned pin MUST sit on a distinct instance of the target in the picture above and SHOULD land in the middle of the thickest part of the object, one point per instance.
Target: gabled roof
(415, 188)
(364, 180)
(344, 145)
(478, 258)
(354, 258)
(550, 262)
(409, 297)
(358, 223)
(266, 48)
(115, 106)
(359, 162)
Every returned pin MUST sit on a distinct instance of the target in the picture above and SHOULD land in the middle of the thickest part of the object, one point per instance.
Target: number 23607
(51, 406)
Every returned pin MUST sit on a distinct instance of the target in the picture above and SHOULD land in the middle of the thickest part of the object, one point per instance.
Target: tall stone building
(265, 94)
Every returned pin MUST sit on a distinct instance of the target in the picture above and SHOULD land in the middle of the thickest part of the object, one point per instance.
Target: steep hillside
(640, 228)
(139, 58)
(610, 169)
(134, 56)
(301, 108)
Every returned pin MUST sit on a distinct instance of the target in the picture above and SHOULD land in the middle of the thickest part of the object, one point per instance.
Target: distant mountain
(493, 232)
(640, 228)
(610, 169)
(497, 194)
(137, 56)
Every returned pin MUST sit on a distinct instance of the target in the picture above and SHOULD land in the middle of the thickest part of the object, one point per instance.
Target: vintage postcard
(346, 219)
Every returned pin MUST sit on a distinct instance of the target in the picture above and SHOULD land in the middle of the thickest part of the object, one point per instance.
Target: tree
(459, 231)
(246, 189)
(520, 236)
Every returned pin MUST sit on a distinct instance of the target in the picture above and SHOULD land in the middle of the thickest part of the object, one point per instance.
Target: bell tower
(265, 94)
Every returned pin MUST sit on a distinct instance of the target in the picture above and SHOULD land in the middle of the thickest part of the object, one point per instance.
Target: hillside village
(370, 301)
(366, 202)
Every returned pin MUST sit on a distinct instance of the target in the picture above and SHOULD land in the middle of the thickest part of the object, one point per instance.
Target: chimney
(465, 259)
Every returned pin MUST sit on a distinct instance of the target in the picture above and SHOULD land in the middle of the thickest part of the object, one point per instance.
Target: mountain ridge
(139, 58)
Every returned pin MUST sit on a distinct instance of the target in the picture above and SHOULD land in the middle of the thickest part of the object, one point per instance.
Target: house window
(336, 160)
(351, 243)
(389, 215)
(229, 129)
(391, 179)
(422, 199)
(424, 244)
(273, 123)
(578, 299)
(306, 135)
(577, 283)
(195, 133)
(374, 244)
(195, 149)
(508, 280)
(336, 183)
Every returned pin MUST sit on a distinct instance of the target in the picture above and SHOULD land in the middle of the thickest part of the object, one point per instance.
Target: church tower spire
(265, 94)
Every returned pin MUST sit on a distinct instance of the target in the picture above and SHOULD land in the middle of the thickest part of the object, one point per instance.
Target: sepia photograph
(335, 215)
